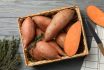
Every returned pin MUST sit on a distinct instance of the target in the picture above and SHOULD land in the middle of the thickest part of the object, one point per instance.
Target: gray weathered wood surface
(10, 10)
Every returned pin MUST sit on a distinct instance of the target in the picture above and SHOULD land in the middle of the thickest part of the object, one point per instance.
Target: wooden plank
(8, 27)
(16, 8)
(22, 8)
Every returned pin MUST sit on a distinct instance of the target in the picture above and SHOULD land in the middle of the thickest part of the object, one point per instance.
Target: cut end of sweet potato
(72, 39)
(95, 14)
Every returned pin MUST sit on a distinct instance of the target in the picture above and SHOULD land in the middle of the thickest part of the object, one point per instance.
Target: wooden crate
(83, 48)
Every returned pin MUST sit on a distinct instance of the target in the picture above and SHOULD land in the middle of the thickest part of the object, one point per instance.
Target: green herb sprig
(9, 59)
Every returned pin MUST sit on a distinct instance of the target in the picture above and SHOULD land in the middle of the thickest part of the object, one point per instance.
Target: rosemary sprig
(8, 54)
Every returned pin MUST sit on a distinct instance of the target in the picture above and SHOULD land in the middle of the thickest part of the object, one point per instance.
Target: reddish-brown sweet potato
(42, 22)
(36, 54)
(28, 31)
(54, 45)
(47, 51)
(59, 21)
(39, 32)
(74, 19)
(72, 39)
(60, 39)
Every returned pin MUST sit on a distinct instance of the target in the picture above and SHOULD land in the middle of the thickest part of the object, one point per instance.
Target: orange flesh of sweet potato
(96, 15)
(72, 39)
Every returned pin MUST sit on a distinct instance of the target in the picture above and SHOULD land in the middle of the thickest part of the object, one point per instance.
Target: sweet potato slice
(96, 15)
(72, 39)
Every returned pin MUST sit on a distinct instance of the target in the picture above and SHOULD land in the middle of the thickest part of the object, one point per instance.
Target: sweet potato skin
(42, 22)
(59, 21)
(72, 39)
(54, 45)
(39, 31)
(28, 31)
(47, 51)
(60, 39)
(96, 15)
(36, 55)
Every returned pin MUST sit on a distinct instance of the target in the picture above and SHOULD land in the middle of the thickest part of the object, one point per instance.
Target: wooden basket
(82, 51)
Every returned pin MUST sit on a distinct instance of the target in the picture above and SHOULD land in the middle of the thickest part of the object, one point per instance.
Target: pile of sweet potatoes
(52, 37)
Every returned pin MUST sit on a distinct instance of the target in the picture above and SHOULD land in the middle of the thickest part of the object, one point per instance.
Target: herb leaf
(9, 59)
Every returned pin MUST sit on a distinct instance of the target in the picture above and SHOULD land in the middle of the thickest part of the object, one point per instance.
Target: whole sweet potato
(60, 39)
(54, 45)
(28, 31)
(36, 54)
(39, 32)
(47, 51)
(59, 21)
(42, 22)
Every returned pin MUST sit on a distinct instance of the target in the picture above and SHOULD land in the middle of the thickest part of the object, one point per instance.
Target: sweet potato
(60, 39)
(96, 15)
(42, 22)
(39, 32)
(72, 39)
(36, 54)
(47, 51)
(28, 31)
(59, 21)
(75, 19)
(54, 45)
(67, 27)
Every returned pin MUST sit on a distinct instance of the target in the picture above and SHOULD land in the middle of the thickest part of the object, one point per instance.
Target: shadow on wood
(71, 64)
